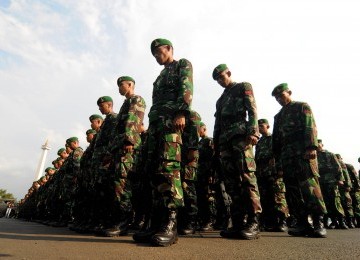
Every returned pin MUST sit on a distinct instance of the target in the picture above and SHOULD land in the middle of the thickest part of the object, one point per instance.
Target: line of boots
(241, 230)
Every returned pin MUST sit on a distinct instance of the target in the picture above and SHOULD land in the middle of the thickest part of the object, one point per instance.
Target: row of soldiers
(160, 180)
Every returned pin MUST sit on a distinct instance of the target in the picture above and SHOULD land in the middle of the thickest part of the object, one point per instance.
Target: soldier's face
(89, 137)
(124, 87)
(64, 154)
(202, 131)
(105, 108)
(163, 54)
(283, 98)
(224, 79)
(96, 124)
(263, 128)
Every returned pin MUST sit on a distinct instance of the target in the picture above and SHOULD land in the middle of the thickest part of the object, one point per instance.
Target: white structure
(40, 168)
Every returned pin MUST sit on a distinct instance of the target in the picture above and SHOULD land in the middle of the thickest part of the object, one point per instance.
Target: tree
(4, 195)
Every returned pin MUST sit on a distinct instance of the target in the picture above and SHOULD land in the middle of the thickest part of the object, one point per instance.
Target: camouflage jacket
(172, 91)
(353, 176)
(129, 120)
(294, 130)
(347, 180)
(329, 167)
(263, 152)
(104, 136)
(234, 106)
(190, 136)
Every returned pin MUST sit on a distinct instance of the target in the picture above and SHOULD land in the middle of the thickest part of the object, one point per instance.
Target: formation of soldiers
(173, 179)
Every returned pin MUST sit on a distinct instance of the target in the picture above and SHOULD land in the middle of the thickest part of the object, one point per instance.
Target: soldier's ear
(229, 73)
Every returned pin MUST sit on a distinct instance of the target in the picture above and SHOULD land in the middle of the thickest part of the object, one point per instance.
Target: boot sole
(163, 244)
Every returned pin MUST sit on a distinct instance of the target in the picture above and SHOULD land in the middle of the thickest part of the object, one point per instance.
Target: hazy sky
(57, 57)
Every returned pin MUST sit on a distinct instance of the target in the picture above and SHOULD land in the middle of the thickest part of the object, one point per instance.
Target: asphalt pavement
(29, 240)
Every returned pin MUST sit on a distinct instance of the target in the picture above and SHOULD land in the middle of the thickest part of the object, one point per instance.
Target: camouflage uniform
(102, 177)
(271, 185)
(204, 184)
(189, 167)
(355, 192)
(172, 94)
(345, 189)
(330, 175)
(294, 132)
(237, 159)
(127, 131)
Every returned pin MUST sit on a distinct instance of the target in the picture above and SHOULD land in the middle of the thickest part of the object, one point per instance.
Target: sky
(57, 57)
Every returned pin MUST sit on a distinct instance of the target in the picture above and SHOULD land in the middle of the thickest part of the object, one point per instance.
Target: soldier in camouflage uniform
(330, 178)
(294, 147)
(235, 133)
(102, 174)
(124, 148)
(172, 97)
(189, 166)
(205, 181)
(271, 185)
(345, 196)
(354, 193)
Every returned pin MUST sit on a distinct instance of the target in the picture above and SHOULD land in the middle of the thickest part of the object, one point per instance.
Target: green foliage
(4, 195)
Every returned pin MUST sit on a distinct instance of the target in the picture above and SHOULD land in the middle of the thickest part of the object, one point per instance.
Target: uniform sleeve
(250, 104)
(339, 173)
(186, 86)
(310, 130)
(134, 120)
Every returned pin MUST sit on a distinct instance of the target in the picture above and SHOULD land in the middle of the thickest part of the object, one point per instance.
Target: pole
(40, 168)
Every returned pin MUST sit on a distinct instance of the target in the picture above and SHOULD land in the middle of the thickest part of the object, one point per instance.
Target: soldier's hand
(310, 154)
(341, 183)
(128, 148)
(252, 139)
(179, 123)
(272, 162)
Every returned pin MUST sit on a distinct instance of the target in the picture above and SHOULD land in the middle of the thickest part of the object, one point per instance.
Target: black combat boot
(281, 226)
(233, 230)
(189, 228)
(358, 222)
(342, 224)
(208, 226)
(319, 229)
(149, 228)
(302, 228)
(349, 222)
(167, 234)
(334, 224)
(252, 228)
(119, 229)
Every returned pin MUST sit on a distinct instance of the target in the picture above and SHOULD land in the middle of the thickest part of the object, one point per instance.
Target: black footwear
(207, 227)
(342, 224)
(167, 234)
(189, 229)
(251, 230)
(349, 222)
(319, 229)
(302, 229)
(148, 230)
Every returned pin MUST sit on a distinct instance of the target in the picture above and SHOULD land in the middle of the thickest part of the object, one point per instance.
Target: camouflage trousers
(164, 165)
(346, 202)
(332, 199)
(303, 192)
(238, 170)
(355, 195)
(272, 192)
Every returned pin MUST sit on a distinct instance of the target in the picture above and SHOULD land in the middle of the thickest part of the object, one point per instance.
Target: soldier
(124, 148)
(101, 173)
(205, 181)
(235, 132)
(330, 178)
(294, 147)
(346, 200)
(271, 185)
(96, 122)
(62, 153)
(354, 193)
(172, 97)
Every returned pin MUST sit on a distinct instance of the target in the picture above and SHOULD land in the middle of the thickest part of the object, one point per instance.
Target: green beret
(48, 169)
(95, 116)
(263, 121)
(280, 89)
(319, 140)
(104, 99)
(71, 139)
(60, 151)
(159, 42)
(90, 131)
(220, 68)
(125, 78)
(202, 124)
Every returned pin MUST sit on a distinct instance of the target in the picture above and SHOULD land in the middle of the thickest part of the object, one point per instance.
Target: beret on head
(319, 140)
(218, 69)
(125, 78)
(90, 131)
(71, 139)
(279, 89)
(60, 151)
(159, 42)
(95, 116)
(48, 169)
(104, 99)
(202, 124)
(263, 121)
